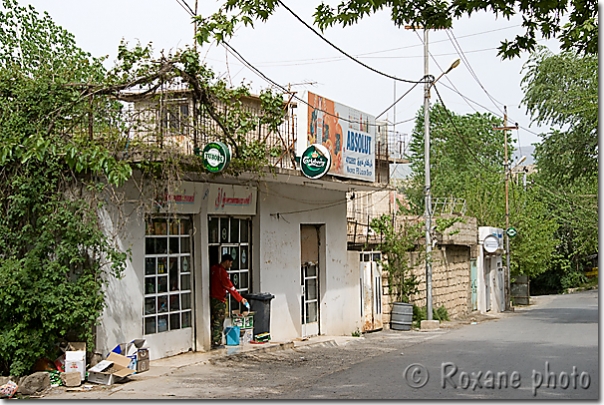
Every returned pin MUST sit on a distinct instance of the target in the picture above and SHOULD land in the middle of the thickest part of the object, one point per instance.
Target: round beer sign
(315, 161)
(215, 157)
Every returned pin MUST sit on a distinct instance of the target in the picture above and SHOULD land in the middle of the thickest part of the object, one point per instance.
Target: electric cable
(457, 132)
(399, 99)
(186, 7)
(468, 66)
(235, 53)
(343, 52)
(483, 107)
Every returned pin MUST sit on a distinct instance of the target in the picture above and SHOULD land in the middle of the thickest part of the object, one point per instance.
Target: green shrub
(419, 314)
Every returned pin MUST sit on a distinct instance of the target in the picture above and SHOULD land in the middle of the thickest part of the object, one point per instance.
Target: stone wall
(450, 272)
(450, 282)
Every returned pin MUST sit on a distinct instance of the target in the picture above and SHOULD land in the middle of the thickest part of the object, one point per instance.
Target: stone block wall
(450, 281)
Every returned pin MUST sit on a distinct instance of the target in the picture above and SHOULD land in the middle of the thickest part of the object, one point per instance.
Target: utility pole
(428, 196)
(505, 128)
(429, 81)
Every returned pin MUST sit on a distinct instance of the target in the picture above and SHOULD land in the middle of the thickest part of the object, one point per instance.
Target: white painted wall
(281, 211)
(489, 271)
(122, 319)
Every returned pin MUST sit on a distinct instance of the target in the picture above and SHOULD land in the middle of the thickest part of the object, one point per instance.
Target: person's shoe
(214, 347)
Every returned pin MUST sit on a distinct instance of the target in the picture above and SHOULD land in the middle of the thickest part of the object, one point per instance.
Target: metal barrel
(401, 316)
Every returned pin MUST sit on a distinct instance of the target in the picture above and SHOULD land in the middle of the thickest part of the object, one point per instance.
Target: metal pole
(507, 208)
(428, 202)
(394, 112)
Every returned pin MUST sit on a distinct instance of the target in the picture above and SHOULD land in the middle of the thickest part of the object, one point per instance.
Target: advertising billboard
(348, 134)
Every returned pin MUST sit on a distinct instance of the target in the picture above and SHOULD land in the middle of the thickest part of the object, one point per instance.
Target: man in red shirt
(220, 284)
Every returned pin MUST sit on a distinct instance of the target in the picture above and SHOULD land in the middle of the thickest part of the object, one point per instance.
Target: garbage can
(260, 303)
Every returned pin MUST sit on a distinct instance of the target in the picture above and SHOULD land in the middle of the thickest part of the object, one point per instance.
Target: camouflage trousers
(218, 309)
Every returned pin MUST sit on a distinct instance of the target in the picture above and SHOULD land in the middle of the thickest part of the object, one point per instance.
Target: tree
(467, 157)
(65, 148)
(54, 255)
(466, 161)
(580, 33)
(562, 90)
(397, 242)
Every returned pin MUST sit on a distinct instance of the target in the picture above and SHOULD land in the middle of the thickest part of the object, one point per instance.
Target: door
(487, 284)
(500, 288)
(371, 291)
(309, 280)
(474, 284)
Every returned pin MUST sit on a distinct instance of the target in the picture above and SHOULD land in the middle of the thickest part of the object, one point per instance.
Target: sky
(290, 54)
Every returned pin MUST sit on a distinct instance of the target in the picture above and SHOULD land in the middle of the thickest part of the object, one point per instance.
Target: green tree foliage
(562, 91)
(52, 249)
(396, 244)
(545, 18)
(467, 162)
(65, 147)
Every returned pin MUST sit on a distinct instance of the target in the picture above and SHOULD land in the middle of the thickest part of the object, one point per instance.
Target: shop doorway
(231, 235)
(310, 272)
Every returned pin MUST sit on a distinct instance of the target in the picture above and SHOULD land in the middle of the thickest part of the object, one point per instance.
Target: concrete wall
(281, 211)
(122, 318)
(275, 250)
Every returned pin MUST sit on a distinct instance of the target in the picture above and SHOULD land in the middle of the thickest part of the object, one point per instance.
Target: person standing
(220, 285)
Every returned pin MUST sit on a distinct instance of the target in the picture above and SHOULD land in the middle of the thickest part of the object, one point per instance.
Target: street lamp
(428, 198)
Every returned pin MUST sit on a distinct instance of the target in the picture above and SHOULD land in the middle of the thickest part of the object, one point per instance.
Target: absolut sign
(215, 157)
(315, 161)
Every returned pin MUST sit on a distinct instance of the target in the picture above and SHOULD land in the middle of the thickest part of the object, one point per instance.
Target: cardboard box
(142, 365)
(111, 370)
(75, 361)
(70, 347)
(142, 354)
(247, 335)
(136, 350)
(243, 320)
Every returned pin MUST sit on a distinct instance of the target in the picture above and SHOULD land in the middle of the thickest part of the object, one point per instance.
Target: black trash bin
(260, 303)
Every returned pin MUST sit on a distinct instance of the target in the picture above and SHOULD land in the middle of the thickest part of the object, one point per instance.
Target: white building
(286, 232)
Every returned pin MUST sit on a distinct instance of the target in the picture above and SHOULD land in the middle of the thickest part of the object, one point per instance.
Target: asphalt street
(546, 352)
(518, 355)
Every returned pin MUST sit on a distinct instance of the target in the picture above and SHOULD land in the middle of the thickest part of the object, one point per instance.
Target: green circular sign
(215, 157)
(511, 232)
(315, 161)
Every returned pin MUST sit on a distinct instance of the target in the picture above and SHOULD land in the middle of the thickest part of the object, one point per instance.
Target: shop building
(286, 231)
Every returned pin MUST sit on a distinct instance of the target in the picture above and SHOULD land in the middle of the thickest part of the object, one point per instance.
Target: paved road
(558, 337)
(560, 332)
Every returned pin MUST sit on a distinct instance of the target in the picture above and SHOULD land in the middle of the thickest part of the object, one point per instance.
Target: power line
(442, 70)
(186, 7)
(457, 132)
(316, 61)
(346, 54)
(468, 66)
(399, 99)
(269, 80)
(483, 107)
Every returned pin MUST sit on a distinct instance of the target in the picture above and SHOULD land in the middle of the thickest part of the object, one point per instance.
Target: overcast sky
(288, 52)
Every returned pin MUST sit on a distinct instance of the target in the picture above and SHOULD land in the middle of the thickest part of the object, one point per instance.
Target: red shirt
(220, 284)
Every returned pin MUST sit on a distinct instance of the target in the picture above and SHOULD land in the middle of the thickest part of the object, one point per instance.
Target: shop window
(167, 274)
(231, 235)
